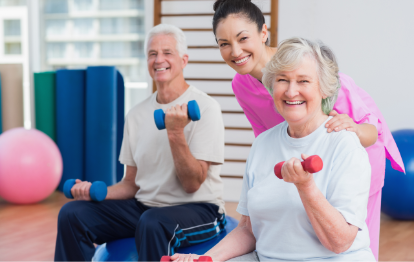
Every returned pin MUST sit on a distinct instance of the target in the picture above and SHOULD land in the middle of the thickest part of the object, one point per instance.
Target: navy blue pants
(158, 231)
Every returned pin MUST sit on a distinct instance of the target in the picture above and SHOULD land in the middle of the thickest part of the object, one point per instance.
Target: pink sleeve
(355, 102)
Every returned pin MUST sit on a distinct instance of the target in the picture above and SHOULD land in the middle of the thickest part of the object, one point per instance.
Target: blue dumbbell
(97, 191)
(193, 114)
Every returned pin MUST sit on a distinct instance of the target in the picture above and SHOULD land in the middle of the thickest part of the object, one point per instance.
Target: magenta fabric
(259, 109)
(373, 221)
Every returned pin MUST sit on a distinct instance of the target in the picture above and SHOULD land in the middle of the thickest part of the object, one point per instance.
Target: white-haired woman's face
(296, 93)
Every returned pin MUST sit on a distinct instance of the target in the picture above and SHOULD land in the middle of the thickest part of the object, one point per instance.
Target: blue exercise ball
(398, 190)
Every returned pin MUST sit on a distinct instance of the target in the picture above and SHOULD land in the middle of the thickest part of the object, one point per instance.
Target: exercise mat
(12, 95)
(70, 122)
(120, 124)
(45, 105)
(103, 100)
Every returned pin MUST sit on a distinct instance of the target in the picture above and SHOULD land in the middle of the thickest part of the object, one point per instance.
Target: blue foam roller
(120, 124)
(125, 249)
(70, 122)
(67, 186)
(159, 118)
(194, 110)
(101, 124)
(1, 120)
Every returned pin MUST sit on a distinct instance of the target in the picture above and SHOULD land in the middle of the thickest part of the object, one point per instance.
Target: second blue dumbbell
(193, 114)
(97, 191)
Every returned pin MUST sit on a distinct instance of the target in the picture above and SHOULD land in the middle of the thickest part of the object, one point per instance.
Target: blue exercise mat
(1, 120)
(104, 98)
(120, 125)
(70, 122)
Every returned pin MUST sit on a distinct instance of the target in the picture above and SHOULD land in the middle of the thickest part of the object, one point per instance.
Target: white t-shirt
(148, 148)
(279, 221)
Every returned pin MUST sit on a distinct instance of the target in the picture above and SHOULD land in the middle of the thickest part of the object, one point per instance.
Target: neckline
(174, 102)
(303, 141)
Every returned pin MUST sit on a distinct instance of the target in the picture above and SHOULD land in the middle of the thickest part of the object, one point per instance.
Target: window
(12, 48)
(12, 28)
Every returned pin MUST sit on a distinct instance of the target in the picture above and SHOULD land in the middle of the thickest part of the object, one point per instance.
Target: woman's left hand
(340, 122)
(184, 257)
(292, 172)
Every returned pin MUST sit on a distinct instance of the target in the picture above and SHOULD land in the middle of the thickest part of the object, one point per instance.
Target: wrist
(175, 133)
(306, 187)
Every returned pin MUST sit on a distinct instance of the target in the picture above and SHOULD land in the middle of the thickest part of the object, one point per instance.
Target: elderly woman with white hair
(305, 216)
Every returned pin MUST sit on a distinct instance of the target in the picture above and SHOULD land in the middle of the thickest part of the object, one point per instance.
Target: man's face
(164, 62)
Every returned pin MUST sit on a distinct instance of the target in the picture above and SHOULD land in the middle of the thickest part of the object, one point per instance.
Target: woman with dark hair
(241, 33)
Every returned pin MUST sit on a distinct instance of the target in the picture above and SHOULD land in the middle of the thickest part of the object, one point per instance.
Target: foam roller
(97, 191)
(312, 164)
(193, 114)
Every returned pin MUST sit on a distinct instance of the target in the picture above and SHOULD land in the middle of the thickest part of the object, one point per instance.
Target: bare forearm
(367, 134)
(121, 190)
(189, 170)
(238, 242)
(330, 226)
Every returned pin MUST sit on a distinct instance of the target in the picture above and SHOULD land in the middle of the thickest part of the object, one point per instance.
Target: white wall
(373, 41)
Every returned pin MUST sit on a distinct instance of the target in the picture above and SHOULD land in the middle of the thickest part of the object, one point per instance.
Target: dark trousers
(158, 231)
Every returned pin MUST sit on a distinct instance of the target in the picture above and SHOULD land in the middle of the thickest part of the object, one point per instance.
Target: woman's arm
(366, 133)
(238, 242)
(330, 226)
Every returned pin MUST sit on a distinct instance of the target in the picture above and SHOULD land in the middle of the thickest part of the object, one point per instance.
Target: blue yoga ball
(398, 191)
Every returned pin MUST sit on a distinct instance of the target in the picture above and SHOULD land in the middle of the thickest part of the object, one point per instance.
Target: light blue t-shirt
(279, 221)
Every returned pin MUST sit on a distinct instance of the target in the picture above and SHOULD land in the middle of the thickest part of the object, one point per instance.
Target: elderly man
(171, 194)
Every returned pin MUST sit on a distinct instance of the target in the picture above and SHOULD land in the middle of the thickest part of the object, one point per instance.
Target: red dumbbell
(312, 164)
(200, 259)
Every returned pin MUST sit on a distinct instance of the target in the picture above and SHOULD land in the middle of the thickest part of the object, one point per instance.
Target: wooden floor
(28, 232)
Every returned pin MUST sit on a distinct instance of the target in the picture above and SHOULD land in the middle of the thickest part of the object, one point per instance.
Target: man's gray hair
(165, 29)
(290, 55)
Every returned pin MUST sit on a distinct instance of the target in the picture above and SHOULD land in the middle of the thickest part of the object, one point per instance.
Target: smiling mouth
(242, 60)
(294, 102)
(161, 69)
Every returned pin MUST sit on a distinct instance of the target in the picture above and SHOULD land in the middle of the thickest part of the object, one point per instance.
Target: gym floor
(28, 233)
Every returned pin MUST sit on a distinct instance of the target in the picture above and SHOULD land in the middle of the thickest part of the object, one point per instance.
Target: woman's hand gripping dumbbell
(200, 259)
(311, 164)
(193, 113)
(97, 191)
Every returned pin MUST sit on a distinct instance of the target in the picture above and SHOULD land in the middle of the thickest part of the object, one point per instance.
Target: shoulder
(141, 108)
(265, 137)
(344, 142)
(241, 80)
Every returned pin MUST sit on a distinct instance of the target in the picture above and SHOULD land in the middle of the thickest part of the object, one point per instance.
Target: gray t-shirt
(148, 148)
(279, 221)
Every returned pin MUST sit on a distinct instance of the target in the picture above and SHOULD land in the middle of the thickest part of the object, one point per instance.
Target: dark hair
(224, 8)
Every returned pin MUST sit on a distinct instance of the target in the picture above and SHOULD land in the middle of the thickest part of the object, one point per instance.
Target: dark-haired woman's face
(240, 43)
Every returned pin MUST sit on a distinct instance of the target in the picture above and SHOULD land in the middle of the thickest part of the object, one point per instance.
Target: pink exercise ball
(30, 166)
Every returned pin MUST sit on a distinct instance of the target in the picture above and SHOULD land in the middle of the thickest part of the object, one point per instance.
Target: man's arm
(126, 188)
(190, 171)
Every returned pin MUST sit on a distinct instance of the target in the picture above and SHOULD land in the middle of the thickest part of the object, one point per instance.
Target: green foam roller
(45, 106)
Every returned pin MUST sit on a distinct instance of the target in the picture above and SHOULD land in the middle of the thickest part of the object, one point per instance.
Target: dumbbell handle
(97, 191)
(200, 259)
(311, 164)
(193, 112)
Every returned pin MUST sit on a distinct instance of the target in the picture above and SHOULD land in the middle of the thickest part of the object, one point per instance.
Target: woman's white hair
(290, 55)
(165, 29)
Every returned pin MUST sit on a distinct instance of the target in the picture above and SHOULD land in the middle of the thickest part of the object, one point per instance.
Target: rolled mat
(102, 128)
(45, 105)
(1, 122)
(12, 95)
(70, 122)
(120, 125)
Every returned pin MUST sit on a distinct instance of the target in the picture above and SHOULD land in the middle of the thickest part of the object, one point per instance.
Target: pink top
(259, 109)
